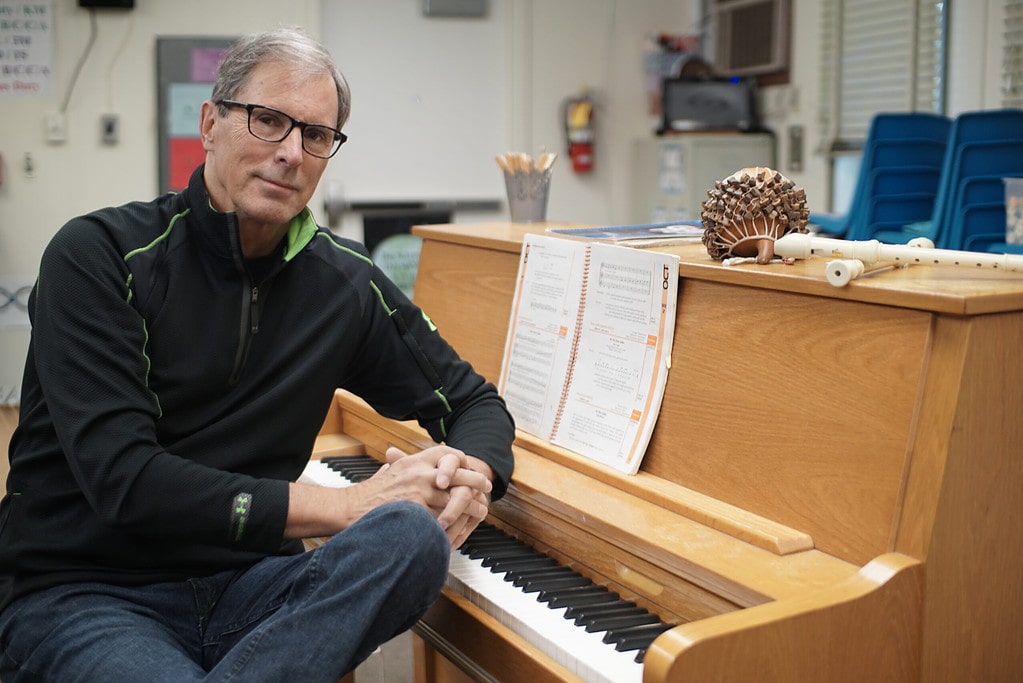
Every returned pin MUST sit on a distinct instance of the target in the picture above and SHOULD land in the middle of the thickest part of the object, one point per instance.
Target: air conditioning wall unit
(751, 37)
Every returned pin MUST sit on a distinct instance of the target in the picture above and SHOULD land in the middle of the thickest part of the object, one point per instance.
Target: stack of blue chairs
(898, 176)
(984, 147)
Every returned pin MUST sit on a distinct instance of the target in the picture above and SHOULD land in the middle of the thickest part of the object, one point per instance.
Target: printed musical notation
(589, 346)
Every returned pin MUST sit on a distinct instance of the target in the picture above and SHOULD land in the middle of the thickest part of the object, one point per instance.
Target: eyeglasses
(271, 125)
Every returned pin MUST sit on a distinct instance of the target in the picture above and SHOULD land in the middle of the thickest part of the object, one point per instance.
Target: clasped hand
(442, 479)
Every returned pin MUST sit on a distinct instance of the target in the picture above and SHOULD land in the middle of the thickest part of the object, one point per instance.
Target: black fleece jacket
(172, 390)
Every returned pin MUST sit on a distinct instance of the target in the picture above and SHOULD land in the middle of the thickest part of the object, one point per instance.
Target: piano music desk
(833, 490)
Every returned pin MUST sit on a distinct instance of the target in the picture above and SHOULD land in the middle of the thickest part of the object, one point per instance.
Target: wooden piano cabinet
(866, 628)
(833, 490)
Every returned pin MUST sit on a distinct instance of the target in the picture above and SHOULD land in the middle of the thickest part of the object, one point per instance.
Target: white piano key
(320, 474)
(584, 654)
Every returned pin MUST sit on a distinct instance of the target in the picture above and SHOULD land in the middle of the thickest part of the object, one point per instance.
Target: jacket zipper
(249, 310)
(254, 310)
(251, 302)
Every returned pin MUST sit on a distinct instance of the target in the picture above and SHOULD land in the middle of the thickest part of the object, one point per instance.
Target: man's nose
(291, 146)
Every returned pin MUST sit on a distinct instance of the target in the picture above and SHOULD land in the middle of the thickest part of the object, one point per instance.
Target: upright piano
(833, 490)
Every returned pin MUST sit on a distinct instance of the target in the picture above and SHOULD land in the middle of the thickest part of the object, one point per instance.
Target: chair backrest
(987, 126)
(980, 225)
(976, 217)
(979, 220)
(980, 144)
(888, 126)
(897, 142)
(987, 145)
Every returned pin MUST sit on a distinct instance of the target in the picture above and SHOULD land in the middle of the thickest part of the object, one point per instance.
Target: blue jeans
(309, 617)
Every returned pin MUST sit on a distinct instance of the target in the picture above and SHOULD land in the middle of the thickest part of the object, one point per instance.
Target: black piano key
(499, 565)
(583, 598)
(636, 637)
(548, 593)
(486, 532)
(480, 549)
(526, 577)
(355, 463)
(477, 551)
(355, 468)
(548, 583)
(594, 618)
(343, 460)
(620, 621)
(583, 611)
(493, 544)
(490, 553)
(352, 459)
(517, 565)
(488, 541)
(484, 540)
(631, 627)
(490, 535)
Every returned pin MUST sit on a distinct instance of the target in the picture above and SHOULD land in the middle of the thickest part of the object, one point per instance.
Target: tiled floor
(392, 663)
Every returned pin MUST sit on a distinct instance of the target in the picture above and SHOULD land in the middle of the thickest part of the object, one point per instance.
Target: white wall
(118, 77)
(556, 47)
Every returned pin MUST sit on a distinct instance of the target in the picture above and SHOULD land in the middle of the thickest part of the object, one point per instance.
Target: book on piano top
(589, 346)
(639, 236)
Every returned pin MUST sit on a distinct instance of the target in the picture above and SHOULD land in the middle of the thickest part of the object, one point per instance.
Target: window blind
(1012, 55)
(880, 55)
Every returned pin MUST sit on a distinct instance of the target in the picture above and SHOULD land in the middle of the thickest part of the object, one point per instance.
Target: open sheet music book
(589, 346)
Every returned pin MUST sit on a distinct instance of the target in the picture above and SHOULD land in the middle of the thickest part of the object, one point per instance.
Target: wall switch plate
(56, 128)
(109, 129)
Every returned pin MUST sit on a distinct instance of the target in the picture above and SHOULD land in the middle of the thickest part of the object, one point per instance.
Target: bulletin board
(186, 69)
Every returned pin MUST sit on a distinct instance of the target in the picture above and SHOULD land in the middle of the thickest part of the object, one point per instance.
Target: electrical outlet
(56, 128)
(109, 129)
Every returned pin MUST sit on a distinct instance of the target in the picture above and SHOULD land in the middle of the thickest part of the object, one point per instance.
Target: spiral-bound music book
(589, 346)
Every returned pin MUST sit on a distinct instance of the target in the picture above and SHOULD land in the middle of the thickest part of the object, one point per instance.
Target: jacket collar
(219, 229)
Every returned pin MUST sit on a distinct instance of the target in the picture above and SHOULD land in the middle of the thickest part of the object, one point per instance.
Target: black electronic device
(707, 104)
(107, 4)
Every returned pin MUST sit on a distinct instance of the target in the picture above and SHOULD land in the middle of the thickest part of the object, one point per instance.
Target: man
(183, 357)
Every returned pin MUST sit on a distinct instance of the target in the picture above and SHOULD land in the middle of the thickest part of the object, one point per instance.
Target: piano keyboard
(585, 627)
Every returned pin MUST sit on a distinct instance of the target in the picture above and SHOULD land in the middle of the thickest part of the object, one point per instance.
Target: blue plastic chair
(979, 223)
(980, 226)
(910, 176)
(977, 217)
(895, 140)
(981, 144)
(988, 125)
(983, 189)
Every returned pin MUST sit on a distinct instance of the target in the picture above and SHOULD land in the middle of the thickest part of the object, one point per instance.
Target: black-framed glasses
(271, 125)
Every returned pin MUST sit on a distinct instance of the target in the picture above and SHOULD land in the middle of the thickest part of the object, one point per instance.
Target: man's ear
(207, 118)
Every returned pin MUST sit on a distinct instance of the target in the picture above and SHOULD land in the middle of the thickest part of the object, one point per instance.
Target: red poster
(183, 156)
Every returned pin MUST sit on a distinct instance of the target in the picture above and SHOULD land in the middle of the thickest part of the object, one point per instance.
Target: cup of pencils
(528, 183)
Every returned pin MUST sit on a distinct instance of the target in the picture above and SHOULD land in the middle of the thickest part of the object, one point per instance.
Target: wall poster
(186, 69)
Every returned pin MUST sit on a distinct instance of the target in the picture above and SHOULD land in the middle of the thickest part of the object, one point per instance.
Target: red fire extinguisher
(577, 114)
